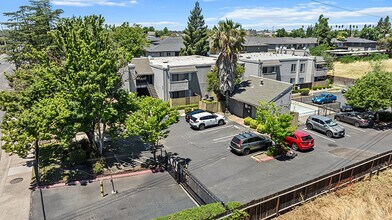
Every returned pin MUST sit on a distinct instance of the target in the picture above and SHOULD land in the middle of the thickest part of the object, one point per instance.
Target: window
(292, 80)
(178, 94)
(180, 77)
(301, 80)
(293, 67)
(302, 68)
(269, 70)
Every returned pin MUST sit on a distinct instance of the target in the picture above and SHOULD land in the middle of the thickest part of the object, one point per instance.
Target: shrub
(77, 156)
(98, 167)
(260, 128)
(253, 124)
(305, 91)
(187, 110)
(315, 87)
(272, 151)
(295, 91)
(247, 120)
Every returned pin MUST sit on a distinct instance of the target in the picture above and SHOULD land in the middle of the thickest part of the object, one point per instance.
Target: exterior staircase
(152, 91)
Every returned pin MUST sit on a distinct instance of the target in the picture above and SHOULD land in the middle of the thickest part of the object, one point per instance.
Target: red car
(300, 140)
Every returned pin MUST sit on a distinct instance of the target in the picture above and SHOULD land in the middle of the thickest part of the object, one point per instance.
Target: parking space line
(215, 129)
(353, 127)
(227, 139)
(319, 135)
(347, 135)
(216, 139)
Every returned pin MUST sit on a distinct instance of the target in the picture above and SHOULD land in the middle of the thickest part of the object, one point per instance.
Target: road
(240, 178)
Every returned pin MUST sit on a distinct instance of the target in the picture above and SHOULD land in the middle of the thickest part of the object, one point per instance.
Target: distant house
(264, 44)
(166, 47)
(253, 89)
(288, 67)
(170, 77)
(354, 43)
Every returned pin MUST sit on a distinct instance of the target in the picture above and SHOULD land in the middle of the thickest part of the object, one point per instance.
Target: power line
(346, 9)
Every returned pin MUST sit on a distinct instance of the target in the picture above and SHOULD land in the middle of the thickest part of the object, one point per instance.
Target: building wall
(251, 69)
(198, 83)
(253, 49)
(236, 108)
(159, 76)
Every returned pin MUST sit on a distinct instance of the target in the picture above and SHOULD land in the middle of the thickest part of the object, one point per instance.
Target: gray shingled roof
(142, 66)
(251, 91)
(166, 45)
(258, 40)
(353, 40)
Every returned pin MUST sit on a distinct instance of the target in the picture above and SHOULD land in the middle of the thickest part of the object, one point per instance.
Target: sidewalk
(15, 179)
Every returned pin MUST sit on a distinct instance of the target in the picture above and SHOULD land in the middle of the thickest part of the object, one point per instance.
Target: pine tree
(195, 35)
(28, 28)
(322, 31)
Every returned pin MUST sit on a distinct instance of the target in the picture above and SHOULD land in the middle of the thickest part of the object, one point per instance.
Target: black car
(358, 119)
(194, 112)
(346, 108)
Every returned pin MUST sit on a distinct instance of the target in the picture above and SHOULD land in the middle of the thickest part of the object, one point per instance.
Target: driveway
(240, 178)
(144, 196)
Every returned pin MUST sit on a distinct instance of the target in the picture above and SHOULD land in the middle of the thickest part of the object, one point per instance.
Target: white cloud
(211, 19)
(86, 3)
(301, 13)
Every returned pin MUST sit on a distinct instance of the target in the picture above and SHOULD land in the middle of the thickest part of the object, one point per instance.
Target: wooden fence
(273, 205)
(184, 101)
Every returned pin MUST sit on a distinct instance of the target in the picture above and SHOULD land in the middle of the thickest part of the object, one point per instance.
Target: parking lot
(233, 177)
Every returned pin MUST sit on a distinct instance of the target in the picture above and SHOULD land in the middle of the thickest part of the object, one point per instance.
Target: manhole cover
(16, 180)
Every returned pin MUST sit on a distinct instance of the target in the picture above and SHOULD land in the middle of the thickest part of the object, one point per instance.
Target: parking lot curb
(82, 182)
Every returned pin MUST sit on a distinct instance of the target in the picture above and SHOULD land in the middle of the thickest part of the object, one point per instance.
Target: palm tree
(227, 39)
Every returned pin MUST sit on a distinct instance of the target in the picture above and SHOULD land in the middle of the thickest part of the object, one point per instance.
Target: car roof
(301, 133)
(202, 114)
(246, 135)
(196, 111)
(320, 117)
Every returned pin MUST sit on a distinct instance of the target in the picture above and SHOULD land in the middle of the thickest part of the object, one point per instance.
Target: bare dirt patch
(357, 69)
(367, 199)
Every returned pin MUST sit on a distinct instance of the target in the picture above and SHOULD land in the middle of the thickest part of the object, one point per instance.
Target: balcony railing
(179, 85)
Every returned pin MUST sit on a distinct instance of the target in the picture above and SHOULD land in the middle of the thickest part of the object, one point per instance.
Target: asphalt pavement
(145, 196)
(232, 177)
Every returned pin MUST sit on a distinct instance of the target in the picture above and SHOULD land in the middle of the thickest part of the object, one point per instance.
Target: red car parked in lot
(300, 140)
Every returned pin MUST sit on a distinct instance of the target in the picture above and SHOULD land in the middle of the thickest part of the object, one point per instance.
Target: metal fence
(178, 169)
(285, 200)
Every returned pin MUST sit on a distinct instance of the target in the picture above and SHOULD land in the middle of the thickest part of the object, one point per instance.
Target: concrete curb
(268, 158)
(74, 183)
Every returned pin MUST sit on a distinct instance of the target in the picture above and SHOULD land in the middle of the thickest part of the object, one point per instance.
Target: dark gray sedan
(355, 118)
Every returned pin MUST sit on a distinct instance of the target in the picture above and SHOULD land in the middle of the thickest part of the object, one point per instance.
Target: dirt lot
(368, 199)
(357, 69)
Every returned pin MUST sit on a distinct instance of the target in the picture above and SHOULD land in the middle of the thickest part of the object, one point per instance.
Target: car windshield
(194, 118)
(306, 138)
(322, 95)
(330, 122)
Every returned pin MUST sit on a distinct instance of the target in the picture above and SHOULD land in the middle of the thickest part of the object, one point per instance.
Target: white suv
(205, 119)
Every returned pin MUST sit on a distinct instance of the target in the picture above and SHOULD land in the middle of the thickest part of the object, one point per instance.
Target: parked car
(325, 125)
(355, 118)
(324, 98)
(206, 119)
(300, 140)
(246, 142)
(346, 108)
(194, 112)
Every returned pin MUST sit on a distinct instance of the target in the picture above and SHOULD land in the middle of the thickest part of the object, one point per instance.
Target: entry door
(247, 110)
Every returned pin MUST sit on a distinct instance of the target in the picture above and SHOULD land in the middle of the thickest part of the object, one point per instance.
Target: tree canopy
(195, 34)
(322, 31)
(373, 91)
(213, 79)
(28, 29)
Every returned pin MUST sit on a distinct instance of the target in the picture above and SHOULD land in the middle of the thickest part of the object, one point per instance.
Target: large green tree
(373, 91)
(195, 34)
(227, 39)
(300, 32)
(152, 120)
(28, 30)
(281, 33)
(90, 65)
(276, 123)
(130, 41)
(322, 31)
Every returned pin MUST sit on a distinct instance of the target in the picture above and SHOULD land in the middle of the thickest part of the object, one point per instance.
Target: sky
(252, 14)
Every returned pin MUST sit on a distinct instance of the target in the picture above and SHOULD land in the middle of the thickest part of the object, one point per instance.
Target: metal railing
(270, 206)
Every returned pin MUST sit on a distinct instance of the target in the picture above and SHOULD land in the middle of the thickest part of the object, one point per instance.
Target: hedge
(253, 124)
(247, 120)
(305, 91)
(260, 128)
(201, 212)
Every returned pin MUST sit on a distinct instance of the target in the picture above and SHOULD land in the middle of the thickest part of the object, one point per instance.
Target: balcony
(179, 85)
(320, 72)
